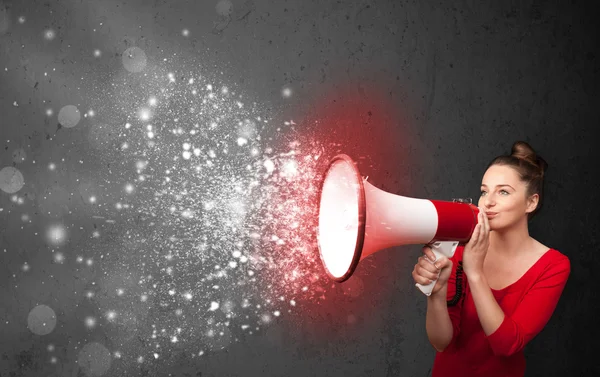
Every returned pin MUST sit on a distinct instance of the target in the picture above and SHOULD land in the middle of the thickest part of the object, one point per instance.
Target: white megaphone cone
(356, 219)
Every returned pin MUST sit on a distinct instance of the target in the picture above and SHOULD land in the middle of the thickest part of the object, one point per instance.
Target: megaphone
(356, 219)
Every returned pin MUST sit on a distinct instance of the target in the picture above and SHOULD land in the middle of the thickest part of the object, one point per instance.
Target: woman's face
(504, 197)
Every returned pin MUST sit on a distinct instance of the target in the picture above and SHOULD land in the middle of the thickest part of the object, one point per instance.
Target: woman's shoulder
(552, 255)
(555, 265)
(556, 258)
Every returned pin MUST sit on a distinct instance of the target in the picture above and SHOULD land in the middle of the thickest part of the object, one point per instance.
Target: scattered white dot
(97, 53)
(49, 34)
(11, 180)
(134, 59)
(214, 306)
(185, 32)
(41, 320)
(90, 322)
(59, 258)
(144, 114)
(56, 235)
(69, 116)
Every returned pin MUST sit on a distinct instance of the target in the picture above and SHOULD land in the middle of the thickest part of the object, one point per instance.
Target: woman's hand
(428, 269)
(477, 247)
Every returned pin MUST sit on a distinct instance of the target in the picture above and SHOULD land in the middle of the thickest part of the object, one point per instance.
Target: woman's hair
(529, 166)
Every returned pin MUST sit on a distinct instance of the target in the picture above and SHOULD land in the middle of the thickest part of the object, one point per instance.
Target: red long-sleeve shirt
(527, 304)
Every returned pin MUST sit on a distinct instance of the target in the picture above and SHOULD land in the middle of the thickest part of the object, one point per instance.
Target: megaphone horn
(356, 219)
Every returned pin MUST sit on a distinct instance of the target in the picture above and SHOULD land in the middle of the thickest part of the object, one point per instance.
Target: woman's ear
(532, 203)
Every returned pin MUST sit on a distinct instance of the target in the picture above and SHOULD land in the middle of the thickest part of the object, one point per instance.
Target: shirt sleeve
(533, 312)
(456, 292)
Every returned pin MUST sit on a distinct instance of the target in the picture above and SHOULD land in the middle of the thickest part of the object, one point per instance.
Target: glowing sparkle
(56, 235)
(90, 322)
(49, 34)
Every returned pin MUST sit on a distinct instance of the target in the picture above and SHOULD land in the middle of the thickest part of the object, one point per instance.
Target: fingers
(429, 253)
(427, 270)
(485, 226)
(421, 279)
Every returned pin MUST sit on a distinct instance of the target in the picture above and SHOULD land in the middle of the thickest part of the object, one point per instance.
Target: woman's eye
(504, 191)
(483, 192)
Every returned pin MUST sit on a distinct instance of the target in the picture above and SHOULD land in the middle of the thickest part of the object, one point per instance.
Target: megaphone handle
(426, 289)
(439, 249)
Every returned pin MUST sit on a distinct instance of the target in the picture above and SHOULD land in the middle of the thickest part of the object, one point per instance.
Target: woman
(500, 289)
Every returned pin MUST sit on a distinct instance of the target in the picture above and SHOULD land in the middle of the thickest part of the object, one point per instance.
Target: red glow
(368, 127)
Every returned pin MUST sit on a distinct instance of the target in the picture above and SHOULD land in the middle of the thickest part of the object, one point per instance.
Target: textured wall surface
(151, 224)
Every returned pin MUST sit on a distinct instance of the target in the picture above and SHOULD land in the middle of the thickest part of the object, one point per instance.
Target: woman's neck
(511, 241)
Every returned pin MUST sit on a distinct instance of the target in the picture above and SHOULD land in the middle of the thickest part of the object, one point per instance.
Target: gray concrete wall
(422, 93)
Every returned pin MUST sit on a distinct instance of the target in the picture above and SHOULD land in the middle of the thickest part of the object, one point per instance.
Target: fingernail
(436, 265)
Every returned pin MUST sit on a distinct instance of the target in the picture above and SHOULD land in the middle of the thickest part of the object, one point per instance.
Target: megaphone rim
(362, 217)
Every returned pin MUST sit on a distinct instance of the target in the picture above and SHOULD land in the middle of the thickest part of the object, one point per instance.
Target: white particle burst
(241, 141)
(185, 32)
(144, 114)
(97, 53)
(265, 318)
(57, 235)
(49, 34)
(290, 168)
(90, 322)
(59, 258)
(269, 165)
(214, 306)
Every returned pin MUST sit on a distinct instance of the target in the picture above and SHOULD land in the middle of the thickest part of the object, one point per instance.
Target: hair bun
(524, 151)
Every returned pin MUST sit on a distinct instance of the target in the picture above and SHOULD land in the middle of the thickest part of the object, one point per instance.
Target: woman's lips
(491, 214)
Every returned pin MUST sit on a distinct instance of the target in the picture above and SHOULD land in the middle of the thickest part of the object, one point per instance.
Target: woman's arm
(533, 312)
(437, 321)
(489, 312)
